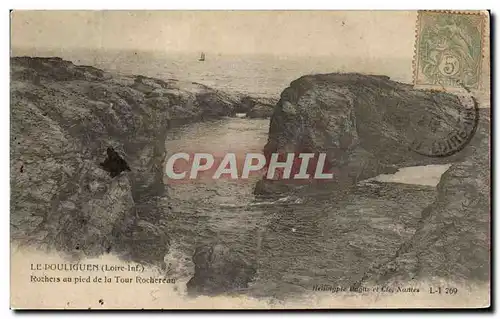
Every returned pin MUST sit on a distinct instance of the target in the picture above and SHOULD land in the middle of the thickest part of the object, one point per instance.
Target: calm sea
(263, 75)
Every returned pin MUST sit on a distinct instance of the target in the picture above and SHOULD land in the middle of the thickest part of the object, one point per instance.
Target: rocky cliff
(87, 152)
(453, 239)
(367, 125)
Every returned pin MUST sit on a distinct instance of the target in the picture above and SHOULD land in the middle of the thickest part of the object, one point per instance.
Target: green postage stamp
(449, 49)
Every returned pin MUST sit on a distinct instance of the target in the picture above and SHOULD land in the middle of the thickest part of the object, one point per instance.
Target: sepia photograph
(234, 159)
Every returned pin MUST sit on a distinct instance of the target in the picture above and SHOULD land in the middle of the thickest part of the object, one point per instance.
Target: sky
(352, 33)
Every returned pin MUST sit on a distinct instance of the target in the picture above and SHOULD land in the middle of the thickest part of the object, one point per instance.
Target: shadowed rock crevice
(114, 163)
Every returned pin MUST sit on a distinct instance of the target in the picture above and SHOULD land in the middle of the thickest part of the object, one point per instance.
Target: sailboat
(202, 57)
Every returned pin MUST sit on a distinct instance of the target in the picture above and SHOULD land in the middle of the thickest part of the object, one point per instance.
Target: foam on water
(282, 200)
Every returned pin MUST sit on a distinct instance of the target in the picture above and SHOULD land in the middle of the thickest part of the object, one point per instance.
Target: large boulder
(67, 192)
(219, 269)
(367, 125)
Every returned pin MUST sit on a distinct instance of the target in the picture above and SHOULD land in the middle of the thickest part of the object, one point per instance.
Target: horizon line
(196, 52)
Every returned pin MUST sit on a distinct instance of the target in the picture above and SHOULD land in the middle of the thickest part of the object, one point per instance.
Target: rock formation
(248, 103)
(453, 239)
(65, 120)
(261, 111)
(219, 269)
(257, 107)
(367, 125)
